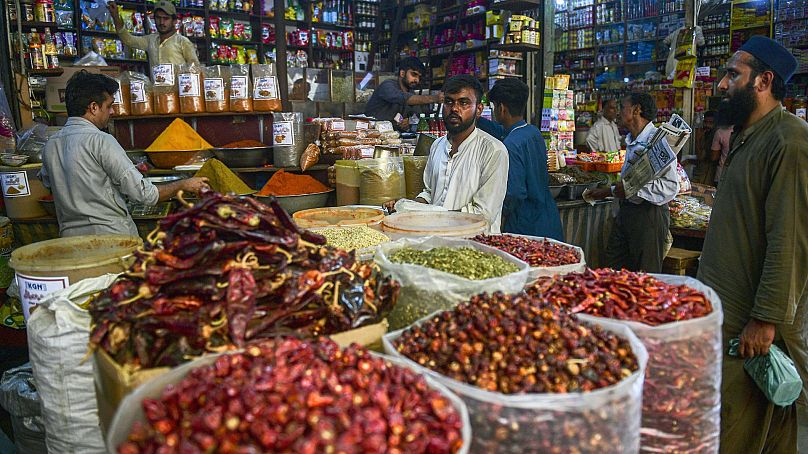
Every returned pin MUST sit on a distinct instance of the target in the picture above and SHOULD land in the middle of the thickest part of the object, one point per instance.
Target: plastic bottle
(51, 54)
(37, 56)
(423, 126)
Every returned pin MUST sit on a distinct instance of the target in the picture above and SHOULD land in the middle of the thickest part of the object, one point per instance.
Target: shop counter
(27, 231)
(587, 227)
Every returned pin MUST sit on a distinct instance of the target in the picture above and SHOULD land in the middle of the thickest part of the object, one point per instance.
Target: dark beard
(453, 130)
(741, 105)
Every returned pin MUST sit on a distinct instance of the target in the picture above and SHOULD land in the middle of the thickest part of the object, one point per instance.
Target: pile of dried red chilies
(226, 271)
(288, 395)
(536, 253)
(623, 295)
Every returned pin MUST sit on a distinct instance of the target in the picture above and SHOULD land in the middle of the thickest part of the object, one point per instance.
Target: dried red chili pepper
(255, 273)
(295, 396)
(543, 253)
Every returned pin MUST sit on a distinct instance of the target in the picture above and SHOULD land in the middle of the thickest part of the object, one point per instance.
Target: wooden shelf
(234, 41)
(55, 72)
(42, 25)
(127, 60)
(516, 5)
(203, 114)
(327, 26)
(518, 47)
(269, 169)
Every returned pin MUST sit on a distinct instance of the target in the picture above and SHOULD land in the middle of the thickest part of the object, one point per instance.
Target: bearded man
(394, 99)
(756, 250)
(467, 170)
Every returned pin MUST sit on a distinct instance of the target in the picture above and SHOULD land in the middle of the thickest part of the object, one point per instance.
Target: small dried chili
(535, 253)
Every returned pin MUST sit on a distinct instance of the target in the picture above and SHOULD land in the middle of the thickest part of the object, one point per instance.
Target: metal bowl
(243, 157)
(13, 160)
(163, 179)
(555, 191)
(294, 203)
(575, 191)
(171, 159)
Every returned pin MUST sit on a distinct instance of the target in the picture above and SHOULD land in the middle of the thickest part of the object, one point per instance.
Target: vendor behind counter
(394, 100)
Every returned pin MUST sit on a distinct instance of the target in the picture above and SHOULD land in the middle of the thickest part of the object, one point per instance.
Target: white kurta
(474, 180)
(603, 136)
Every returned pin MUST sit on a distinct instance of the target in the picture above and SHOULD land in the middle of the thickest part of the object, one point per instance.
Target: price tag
(367, 152)
(360, 125)
(338, 125)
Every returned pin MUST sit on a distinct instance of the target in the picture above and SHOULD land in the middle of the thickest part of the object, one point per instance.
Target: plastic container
(603, 421)
(426, 290)
(608, 167)
(681, 417)
(347, 176)
(339, 216)
(47, 266)
(131, 409)
(437, 223)
(22, 190)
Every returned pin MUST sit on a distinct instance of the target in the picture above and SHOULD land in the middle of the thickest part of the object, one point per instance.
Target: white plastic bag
(426, 290)
(603, 421)
(682, 394)
(408, 206)
(58, 335)
(550, 271)
(131, 408)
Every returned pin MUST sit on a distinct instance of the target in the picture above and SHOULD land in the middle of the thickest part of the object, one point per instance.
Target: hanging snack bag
(140, 91)
(166, 98)
(216, 88)
(240, 100)
(265, 89)
(190, 82)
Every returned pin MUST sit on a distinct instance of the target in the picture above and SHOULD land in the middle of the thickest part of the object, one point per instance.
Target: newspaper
(656, 156)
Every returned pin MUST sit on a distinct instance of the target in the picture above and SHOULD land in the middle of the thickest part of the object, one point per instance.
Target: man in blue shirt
(395, 96)
(529, 208)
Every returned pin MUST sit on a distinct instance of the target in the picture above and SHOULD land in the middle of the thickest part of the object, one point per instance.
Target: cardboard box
(55, 90)
(113, 381)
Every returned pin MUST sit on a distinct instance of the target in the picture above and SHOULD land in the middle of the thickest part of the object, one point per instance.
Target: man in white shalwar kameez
(467, 169)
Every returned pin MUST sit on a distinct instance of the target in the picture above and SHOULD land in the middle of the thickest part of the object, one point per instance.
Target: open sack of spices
(227, 271)
(535, 379)
(288, 395)
(546, 256)
(678, 319)
(437, 273)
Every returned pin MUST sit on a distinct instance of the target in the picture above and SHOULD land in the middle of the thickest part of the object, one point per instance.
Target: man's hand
(390, 206)
(756, 338)
(404, 124)
(619, 191)
(116, 17)
(195, 184)
(438, 98)
(600, 193)
(332, 176)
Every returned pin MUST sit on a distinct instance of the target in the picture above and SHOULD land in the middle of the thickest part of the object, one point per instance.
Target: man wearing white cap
(755, 253)
(164, 47)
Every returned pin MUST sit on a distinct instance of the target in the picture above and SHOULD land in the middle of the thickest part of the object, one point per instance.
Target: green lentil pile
(465, 262)
(353, 237)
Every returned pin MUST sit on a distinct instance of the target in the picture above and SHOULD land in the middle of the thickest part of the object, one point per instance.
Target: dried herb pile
(288, 395)
(226, 271)
(465, 262)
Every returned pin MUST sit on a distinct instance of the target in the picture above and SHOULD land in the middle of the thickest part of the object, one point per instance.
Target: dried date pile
(681, 395)
(516, 345)
(288, 395)
(537, 253)
(226, 271)
(623, 295)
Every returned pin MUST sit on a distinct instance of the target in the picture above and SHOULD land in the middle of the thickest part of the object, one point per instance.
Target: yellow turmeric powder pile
(221, 179)
(179, 136)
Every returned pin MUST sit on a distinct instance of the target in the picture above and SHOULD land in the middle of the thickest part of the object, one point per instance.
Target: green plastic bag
(774, 374)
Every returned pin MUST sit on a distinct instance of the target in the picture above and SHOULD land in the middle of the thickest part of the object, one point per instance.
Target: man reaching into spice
(88, 171)
(467, 169)
(755, 253)
(529, 208)
(395, 97)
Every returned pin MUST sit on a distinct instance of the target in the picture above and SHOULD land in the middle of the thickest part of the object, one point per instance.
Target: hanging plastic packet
(774, 373)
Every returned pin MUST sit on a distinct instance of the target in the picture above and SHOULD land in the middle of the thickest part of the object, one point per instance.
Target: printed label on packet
(137, 91)
(266, 88)
(214, 89)
(117, 99)
(283, 133)
(238, 87)
(163, 75)
(189, 84)
(15, 184)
